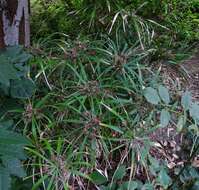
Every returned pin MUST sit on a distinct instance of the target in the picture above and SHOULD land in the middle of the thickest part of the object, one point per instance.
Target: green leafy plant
(14, 84)
(12, 151)
(14, 78)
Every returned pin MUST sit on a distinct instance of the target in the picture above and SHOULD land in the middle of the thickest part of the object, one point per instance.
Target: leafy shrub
(185, 117)
(12, 151)
(14, 84)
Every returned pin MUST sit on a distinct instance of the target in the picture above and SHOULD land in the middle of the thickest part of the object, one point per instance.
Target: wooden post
(14, 23)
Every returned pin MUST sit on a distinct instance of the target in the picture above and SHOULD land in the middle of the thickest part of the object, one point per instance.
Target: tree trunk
(14, 23)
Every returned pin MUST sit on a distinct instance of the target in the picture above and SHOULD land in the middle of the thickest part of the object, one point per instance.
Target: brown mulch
(192, 68)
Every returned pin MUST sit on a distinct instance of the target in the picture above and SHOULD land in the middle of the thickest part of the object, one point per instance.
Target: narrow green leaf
(113, 111)
(117, 129)
(119, 173)
(39, 182)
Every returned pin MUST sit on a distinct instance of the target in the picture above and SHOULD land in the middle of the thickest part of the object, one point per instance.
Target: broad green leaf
(22, 88)
(11, 143)
(151, 95)
(8, 105)
(5, 179)
(16, 54)
(15, 151)
(163, 179)
(164, 94)
(164, 118)
(186, 100)
(119, 173)
(105, 188)
(6, 124)
(154, 165)
(148, 186)
(22, 58)
(12, 51)
(129, 185)
(194, 112)
(11, 138)
(12, 70)
(109, 187)
(189, 174)
(7, 72)
(196, 185)
(98, 178)
(14, 166)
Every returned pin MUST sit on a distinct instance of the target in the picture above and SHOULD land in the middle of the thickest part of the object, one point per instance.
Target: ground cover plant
(93, 129)
(97, 113)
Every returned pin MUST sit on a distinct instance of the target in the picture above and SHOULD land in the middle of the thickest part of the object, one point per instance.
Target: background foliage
(76, 17)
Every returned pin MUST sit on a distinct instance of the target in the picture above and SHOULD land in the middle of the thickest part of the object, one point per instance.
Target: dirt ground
(191, 66)
(183, 76)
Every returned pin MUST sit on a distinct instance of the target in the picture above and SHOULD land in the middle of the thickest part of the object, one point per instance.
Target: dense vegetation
(102, 115)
